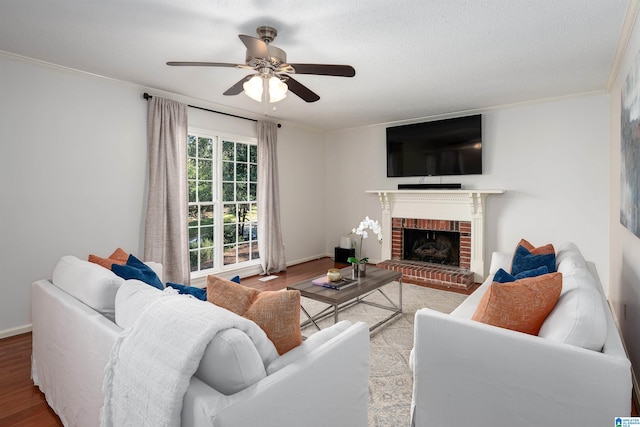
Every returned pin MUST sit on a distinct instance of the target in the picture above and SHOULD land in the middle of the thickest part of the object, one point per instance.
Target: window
(222, 178)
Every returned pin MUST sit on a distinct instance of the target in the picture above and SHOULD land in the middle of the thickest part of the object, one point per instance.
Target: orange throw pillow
(522, 305)
(119, 256)
(276, 312)
(542, 250)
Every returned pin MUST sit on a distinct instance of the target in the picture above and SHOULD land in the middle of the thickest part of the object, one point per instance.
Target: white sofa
(470, 373)
(76, 316)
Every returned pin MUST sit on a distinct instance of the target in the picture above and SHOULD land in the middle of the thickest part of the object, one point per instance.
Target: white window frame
(243, 268)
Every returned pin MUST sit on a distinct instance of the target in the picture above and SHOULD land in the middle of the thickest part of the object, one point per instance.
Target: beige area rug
(390, 380)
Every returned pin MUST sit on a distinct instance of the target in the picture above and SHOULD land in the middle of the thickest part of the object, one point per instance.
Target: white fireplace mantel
(452, 205)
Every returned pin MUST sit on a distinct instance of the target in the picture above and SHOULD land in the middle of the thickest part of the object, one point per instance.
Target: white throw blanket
(151, 363)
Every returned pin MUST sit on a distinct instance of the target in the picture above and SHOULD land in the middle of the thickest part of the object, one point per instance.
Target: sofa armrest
(470, 373)
(328, 387)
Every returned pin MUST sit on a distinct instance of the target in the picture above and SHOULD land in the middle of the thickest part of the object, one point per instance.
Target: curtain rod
(148, 97)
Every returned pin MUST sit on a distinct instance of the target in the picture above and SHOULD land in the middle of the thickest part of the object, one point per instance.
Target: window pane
(227, 150)
(193, 238)
(206, 215)
(191, 168)
(253, 192)
(230, 213)
(205, 148)
(205, 169)
(193, 216)
(241, 192)
(241, 152)
(253, 153)
(206, 236)
(205, 192)
(241, 172)
(230, 233)
(244, 232)
(191, 146)
(193, 260)
(243, 252)
(192, 191)
(227, 171)
(230, 255)
(253, 173)
(253, 216)
(255, 254)
(206, 259)
(227, 192)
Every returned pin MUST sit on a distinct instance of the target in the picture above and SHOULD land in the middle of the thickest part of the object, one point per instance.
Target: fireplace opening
(434, 246)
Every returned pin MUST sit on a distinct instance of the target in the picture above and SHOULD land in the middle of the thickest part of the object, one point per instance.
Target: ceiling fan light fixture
(277, 89)
(253, 88)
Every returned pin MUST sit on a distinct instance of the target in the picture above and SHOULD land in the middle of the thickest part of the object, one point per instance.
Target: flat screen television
(442, 147)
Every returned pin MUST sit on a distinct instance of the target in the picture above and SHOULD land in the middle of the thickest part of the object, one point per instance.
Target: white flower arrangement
(366, 223)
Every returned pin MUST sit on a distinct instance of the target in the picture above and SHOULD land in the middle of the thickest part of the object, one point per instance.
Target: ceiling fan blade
(302, 91)
(322, 69)
(256, 47)
(237, 88)
(207, 64)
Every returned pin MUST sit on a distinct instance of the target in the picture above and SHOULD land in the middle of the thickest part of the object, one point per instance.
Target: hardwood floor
(21, 403)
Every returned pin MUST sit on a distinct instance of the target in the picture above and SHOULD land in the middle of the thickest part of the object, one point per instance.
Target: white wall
(73, 172)
(551, 158)
(624, 246)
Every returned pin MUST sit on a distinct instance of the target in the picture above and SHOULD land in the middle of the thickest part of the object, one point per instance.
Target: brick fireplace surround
(440, 210)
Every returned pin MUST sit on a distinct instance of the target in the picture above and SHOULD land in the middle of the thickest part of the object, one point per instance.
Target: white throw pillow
(569, 259)
(132, 297)
(91, 283)
(230, 362)
(578, 318)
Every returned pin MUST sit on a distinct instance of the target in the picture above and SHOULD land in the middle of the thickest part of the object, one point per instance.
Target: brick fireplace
(446, 221)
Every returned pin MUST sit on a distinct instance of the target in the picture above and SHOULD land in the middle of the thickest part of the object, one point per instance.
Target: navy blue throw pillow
(524, 260)
(236, 279)
(136, 269)
(189, 290)
(502, 276)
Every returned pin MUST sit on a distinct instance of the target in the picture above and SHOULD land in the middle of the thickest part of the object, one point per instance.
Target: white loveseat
(79, 313)
(471, 373)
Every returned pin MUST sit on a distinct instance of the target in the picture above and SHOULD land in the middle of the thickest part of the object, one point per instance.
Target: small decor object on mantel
(359, 264)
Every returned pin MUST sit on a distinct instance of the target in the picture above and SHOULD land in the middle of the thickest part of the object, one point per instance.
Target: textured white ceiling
(413, 58)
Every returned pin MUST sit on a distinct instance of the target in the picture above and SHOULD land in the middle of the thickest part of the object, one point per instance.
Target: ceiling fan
(272, 75)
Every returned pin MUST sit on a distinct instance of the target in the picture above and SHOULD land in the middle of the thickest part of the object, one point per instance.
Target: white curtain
(166, 239)
(269, 231)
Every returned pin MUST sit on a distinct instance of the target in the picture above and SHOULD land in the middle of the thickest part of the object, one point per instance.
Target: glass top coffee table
(340, 299)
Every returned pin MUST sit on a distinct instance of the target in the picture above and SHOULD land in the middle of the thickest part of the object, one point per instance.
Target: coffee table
(338, 300)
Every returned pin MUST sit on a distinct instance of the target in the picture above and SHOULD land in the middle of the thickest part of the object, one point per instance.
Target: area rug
(390, 379)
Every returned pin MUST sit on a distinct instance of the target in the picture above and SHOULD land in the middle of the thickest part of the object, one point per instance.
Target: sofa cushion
(119, 256)
(90, 283)
(524, 259)
(231, 362)
(308, 346)
(131, 299)
(578, 319)
(569, 259)
(522, 305)
(136, 269)
(276, 312)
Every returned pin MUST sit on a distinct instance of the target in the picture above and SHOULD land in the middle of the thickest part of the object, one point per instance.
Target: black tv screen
(442, 147)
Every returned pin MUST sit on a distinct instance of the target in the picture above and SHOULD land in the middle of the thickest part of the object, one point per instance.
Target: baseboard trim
(19, 330)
